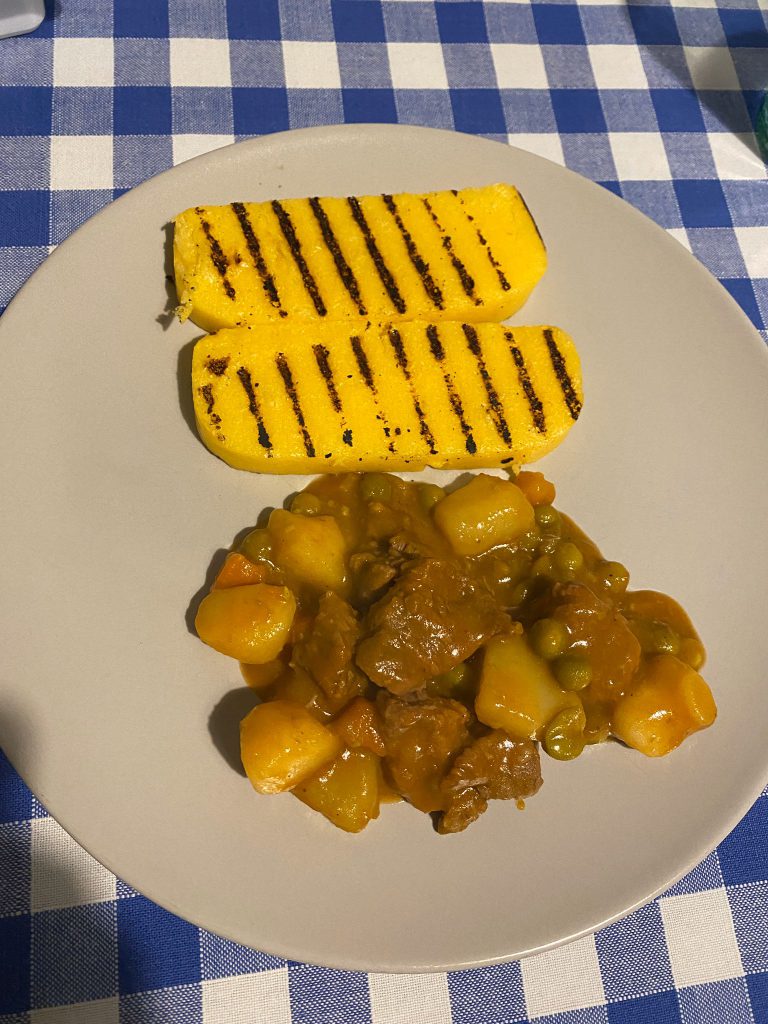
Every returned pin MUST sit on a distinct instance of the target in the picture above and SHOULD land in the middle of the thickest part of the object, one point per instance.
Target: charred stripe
(572, 400)
(385, 275)
(402, 361)
(437, 350)
(505, 285)
(365, 372)
(254, 248)
(245, 379)
(343, 269)
(218, 257)
(534, 402)
(467, 281)
(495, 404)
(323, 360)
(290, 390)
(421, 268)
(289, 233)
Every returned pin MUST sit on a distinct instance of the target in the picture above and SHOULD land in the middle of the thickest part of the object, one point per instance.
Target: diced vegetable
(261, 677)
(359, 726)
(535, 486)
(485, 512)
(518, 692)
(670, 702)
(238, 571)
(295, 685)
(250, 623)
(310, 548)
(282, 744)
(346, 792)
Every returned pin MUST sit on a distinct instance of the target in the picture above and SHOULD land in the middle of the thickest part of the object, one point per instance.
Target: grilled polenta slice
(472, 255)
(334, 397)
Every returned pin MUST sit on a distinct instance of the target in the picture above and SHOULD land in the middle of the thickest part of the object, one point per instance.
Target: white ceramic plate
(111, 511)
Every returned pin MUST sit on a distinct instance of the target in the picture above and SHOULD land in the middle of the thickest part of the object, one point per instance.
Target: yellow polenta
(472, 255)
(339, 396)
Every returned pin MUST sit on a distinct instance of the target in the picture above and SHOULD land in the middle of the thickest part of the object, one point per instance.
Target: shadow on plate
(224, 724)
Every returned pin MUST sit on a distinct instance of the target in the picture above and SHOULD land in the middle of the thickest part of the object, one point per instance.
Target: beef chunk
(325, 650)
(493, 767)
(422, 737)
(433, 617)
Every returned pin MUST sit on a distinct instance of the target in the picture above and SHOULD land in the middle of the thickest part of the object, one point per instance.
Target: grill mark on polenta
(496, 406)
(396, 342)
(343, 269)
(323, 360)
(365, 372)
(217, 366)
(218, 256)
(289, 233)
(534, 402)
(437, 350)
(244, 377)
(254, 248)
(385, 274)
(572, 400)
(207, 392)
(290, 389)
(467, 281)
(421, 268)
(505, 285)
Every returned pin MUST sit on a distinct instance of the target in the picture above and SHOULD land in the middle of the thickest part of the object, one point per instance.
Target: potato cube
(517, 691)
(281, 744)
(310, 548)
(250, 623)
(485, 512)
(670, 702)
(346, 792)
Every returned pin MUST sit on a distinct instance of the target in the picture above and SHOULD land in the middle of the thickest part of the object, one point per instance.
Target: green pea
(548, 518)
(257, 545)
(376, 487)
(529, 542)
(613, 576)
(548, 544)
(429, 495)
(573, 672)
(306, 504)
(568, 558)
(564, 736)
(692, 652)
(549, 638)
(664, 639)
(542, 566)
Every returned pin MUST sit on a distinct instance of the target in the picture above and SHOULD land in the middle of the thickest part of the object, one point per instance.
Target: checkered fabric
(654, 101)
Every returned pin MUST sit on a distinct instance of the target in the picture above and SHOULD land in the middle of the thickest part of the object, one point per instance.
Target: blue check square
(510, 23)
(320, 994)
(487, 994)
(757, 986)
(202, 111)
(27, 61)
(220, 958)
(375, 105)
(358, 21)
(258, 111)
(414, 22)
(74, 954)
(157, 949)
(745, 27)
(528, 110)
(578, 110)
(309, 107)
(15, 847)
(702, 205)
(182, 1005)
(461, 22)
(14, 963)
(16, 265)
(478, 110)
(139, 19)
(258, 19)
(424, 106)
(653, 25)
(743, 292)
(24, 220)
(744, 853)
(142, 110)
(71, 208)
(624, 977)
(15, 798)
(83, 111)
(559, 23)
(26, 110)
(677, 110)
(726, 1001)
(660, 1008)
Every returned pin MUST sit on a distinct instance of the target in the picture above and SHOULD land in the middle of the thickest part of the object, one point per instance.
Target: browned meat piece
(466, 806)
(602, 632)
(372, 577)
(433, 617)
(326, 649)
(421, 738)
(502, 768)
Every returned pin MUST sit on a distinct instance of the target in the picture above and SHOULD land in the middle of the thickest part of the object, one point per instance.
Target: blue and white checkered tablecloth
(656, 102)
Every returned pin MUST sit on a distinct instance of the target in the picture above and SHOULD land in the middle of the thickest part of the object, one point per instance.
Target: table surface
(654, 101)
